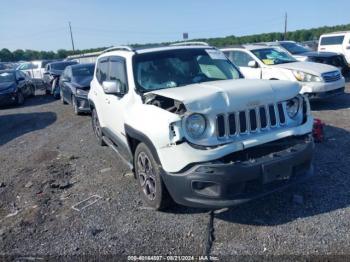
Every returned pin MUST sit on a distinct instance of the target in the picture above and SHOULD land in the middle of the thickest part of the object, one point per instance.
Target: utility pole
(285, 26)
(71, 35)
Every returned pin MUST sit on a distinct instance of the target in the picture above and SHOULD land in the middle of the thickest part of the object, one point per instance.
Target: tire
(97, 128)
(62, 99)
(20, 98)
(75, 106)
(148, 174)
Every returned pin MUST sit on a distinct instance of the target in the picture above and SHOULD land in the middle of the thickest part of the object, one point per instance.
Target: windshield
(273, 56)
(61, 66)
(82, 71)
(7, 77)
(295, 48)
(174, 68)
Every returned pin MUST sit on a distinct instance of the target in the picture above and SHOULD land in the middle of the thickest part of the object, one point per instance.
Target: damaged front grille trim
(248, 130)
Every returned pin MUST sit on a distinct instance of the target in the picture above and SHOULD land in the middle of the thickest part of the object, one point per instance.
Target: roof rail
(190, 43)
(116, 48)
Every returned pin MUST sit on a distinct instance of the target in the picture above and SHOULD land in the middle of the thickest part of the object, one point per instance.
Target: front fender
(153, 126)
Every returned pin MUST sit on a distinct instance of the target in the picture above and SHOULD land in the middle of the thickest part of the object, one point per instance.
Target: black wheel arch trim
(135, 134)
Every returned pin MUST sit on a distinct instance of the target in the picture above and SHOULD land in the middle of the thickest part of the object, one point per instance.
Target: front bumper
(326, 94)
(319, 88)
(8, 99)
(244, 175)
(83, 104)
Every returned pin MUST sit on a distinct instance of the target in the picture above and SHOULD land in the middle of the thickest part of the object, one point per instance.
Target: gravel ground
(50, 162)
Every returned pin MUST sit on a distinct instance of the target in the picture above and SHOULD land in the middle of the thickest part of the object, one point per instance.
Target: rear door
(96, 90)
(346, 47)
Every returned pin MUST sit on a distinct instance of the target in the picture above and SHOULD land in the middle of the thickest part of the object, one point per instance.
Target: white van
(34, 69)
(338, 42)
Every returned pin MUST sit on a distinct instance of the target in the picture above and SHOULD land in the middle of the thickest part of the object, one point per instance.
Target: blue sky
(43, 25)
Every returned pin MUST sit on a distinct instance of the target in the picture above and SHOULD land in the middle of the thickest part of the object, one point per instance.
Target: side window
(102, 70)
(117, 71)
(332, 40)
(240, 58)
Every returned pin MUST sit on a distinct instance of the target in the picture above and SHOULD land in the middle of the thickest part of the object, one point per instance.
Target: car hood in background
(82, 82)
(6, 85)
(56, 72)
(317, 54)
(308, 67)
(230, 95)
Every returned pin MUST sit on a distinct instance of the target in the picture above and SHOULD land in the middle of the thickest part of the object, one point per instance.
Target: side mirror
(113, 87)
(253, 64)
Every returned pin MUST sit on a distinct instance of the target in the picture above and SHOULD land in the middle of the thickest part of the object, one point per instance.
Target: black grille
(249, 121)
(272, 115)
(242, 122)
(253, 122)
(281, 113)
(331, 76)
(232, 123)
(220, 125)
(263, 117)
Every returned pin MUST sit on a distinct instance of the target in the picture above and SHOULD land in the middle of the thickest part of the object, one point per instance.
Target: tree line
(298, 35)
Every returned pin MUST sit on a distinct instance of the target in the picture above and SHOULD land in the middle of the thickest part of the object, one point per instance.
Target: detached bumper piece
(243, 176)
(83, 104)
(327, 94)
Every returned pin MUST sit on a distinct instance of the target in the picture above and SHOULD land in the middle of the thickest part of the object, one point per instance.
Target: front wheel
(97, 127)
(150, 184)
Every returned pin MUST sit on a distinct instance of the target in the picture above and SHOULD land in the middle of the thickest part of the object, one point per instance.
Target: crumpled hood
(308, 67)
(230, 95)
(6, 85)
(82, 82)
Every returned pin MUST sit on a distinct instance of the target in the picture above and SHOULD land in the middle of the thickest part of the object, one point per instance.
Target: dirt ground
(50, 162)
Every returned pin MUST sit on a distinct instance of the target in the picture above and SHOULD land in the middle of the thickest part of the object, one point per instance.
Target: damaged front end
(244, 175)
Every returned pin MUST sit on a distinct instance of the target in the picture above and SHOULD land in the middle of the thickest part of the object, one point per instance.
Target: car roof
(62, 62)
(336, 33)
(248, 47)
(82, 65)
(127, 51)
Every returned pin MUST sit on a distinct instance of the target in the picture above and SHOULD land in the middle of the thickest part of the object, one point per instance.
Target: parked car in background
(52, 75)
(7, 66)
(35, 69)
(338, 42)
(15, 86)
(233, 139)
(274, 63)
(75, 85)
(302, 53)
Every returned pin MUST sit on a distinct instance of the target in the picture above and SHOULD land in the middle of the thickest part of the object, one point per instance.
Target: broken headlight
(195, 125)
(292, 107)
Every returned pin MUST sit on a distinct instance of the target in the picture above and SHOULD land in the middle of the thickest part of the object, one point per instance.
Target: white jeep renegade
(194, 131)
